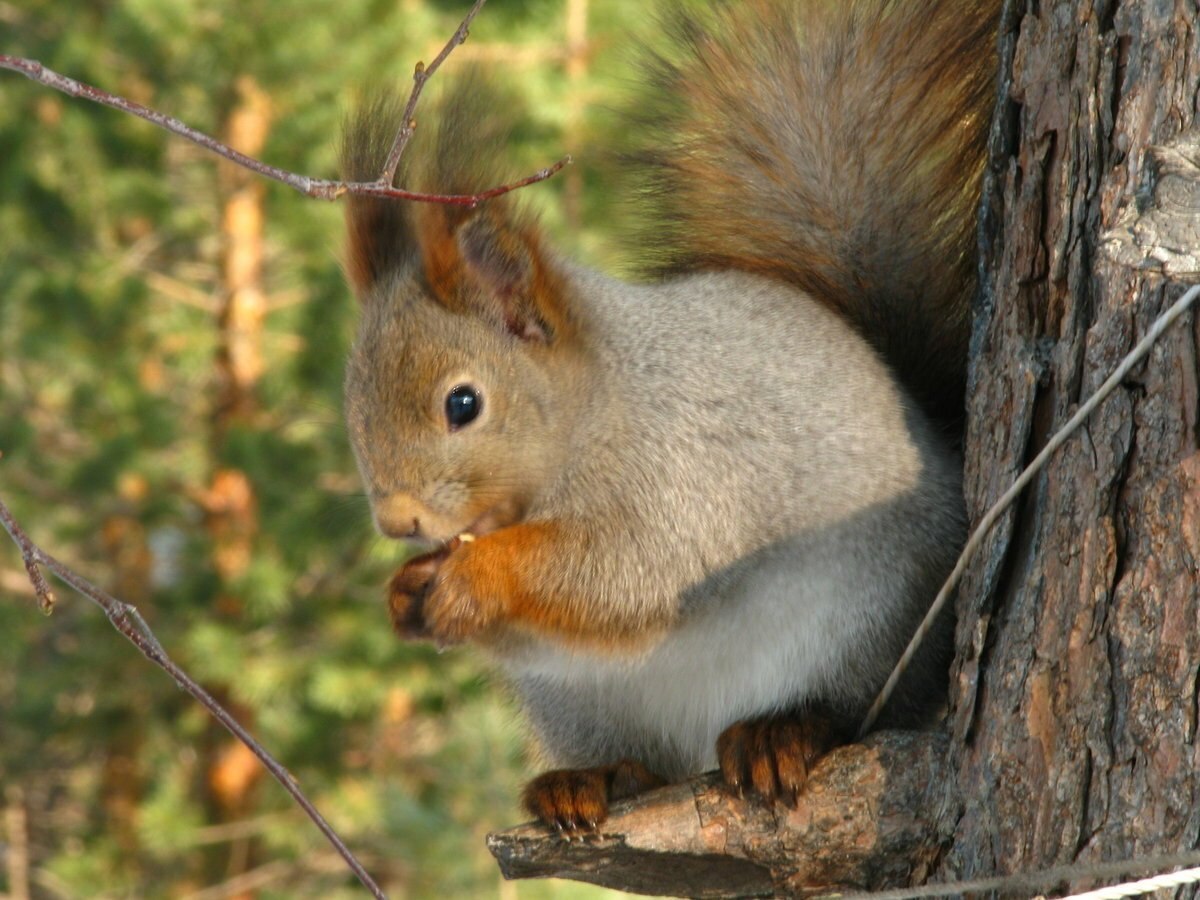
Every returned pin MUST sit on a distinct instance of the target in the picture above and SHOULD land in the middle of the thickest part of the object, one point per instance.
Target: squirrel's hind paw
(575, 801)
(774, 755)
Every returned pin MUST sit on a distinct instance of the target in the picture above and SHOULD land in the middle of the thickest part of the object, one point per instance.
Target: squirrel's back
(837, 145)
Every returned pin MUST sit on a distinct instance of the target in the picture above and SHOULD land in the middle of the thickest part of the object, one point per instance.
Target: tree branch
(422, 74)
(320, 188)
(129, 622)
(866, 820)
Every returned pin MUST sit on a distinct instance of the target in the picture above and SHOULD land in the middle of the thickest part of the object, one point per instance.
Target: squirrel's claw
(574, 802)
(426, 603)
(407, 592)
(564, 799)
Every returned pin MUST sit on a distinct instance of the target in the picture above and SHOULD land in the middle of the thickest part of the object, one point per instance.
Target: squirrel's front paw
(407, 593)
(458, 607)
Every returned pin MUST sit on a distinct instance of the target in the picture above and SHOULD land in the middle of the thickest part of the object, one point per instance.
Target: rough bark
(1073, 732)
(1076, 686)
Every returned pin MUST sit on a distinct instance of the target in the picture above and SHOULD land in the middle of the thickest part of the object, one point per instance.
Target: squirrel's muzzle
(403, 516)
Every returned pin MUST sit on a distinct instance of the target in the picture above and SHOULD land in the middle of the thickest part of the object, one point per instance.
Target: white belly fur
(780, 635)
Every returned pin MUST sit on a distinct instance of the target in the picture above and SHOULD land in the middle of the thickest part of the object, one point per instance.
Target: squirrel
(696, 519)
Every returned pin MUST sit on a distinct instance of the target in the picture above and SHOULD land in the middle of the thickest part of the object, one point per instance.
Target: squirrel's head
(454, 385)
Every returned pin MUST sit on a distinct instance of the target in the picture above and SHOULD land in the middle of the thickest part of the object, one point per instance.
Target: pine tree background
(225, 504)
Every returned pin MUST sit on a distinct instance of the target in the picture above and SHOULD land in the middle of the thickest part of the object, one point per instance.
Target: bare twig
(320, 188)
(127, 620)
(247, 883)
(421, 74)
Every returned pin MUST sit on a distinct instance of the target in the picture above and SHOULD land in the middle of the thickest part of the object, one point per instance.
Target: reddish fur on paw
(569, 800)
(459, 607)
(774, 755)
(506, 580)
(499, 581)
(576, 800)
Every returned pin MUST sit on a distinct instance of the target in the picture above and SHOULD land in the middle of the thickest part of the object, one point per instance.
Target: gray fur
(766, 481)
(752, 491)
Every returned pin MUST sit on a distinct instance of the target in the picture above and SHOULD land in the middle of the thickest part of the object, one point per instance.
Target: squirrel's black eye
(463, 404)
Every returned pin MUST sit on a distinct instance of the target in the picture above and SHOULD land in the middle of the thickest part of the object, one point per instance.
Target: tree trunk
(1073, 731)
(1076, 684)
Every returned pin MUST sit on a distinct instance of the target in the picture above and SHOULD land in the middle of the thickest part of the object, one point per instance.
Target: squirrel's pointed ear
(487, 262)
(492, 265)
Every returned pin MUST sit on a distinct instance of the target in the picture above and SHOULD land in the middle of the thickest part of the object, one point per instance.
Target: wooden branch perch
(867, 820)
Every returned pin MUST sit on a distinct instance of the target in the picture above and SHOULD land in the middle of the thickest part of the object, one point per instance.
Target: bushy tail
(838, 145)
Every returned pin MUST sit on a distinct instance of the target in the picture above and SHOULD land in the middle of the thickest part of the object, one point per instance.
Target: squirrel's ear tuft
(379, 233)
(485, 262)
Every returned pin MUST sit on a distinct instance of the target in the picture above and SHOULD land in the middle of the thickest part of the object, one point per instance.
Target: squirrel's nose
(399, 516)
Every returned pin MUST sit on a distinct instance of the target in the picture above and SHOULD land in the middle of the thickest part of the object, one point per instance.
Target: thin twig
(320, 188)
(127, 620)
(1161, 324)
(421, 74)
(1027, 883)
(245, 884)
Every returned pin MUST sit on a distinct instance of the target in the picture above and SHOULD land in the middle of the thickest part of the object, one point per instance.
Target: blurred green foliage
(110, 279)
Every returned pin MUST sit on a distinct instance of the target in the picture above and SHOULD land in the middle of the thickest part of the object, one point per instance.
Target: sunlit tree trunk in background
(576, 65)
(243, 305)
(16, 838)
(229, 502)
